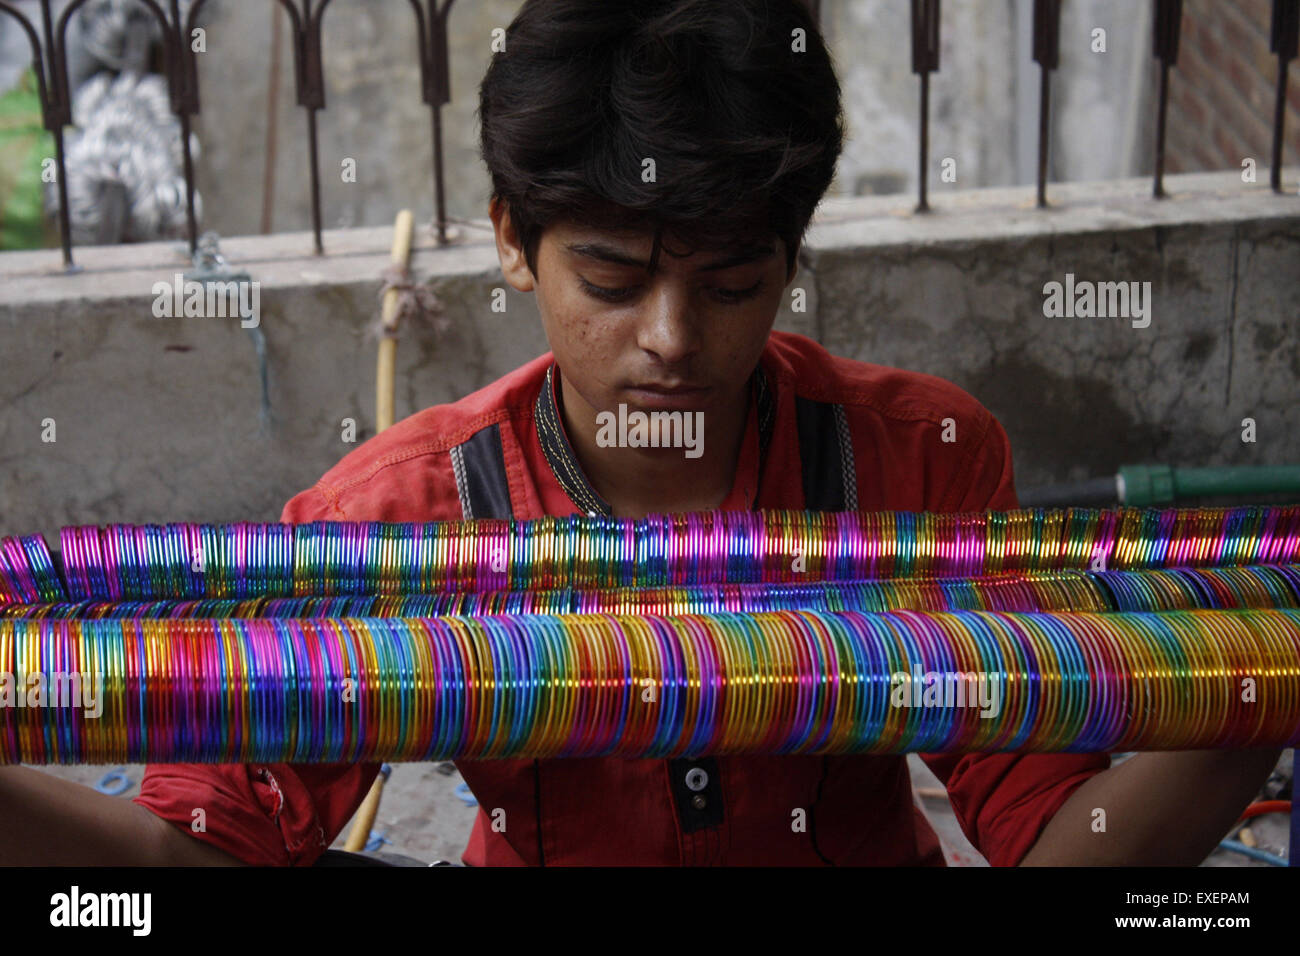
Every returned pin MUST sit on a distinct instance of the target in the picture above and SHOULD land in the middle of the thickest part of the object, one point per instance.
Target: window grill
(50, 64)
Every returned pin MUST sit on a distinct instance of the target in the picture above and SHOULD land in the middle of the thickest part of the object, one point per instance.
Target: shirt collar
(563, 461)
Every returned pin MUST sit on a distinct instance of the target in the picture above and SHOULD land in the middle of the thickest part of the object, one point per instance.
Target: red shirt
(824, 433)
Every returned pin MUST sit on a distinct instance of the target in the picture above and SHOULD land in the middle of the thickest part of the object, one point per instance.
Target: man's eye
(608, 295)
(738, 295)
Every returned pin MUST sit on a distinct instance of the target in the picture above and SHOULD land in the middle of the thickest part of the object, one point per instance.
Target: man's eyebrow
(741, 257)
(594, 250)
(602, 253)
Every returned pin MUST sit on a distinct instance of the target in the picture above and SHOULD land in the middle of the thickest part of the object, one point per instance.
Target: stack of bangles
(774, 632)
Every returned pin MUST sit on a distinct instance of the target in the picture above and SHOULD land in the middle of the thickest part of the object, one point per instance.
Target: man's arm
(48, 821)
(1161, 809)
(1168, 809)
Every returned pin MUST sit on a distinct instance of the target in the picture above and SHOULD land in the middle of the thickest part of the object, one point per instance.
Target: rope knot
(415, 302)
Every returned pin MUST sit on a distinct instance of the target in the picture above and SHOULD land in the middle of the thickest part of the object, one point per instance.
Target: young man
(654, 165)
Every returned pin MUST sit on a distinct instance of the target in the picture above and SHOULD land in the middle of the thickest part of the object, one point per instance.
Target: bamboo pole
(385, 399)
(385, 386)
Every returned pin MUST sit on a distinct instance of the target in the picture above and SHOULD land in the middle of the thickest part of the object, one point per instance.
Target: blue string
(107, 786)
(1236, 846)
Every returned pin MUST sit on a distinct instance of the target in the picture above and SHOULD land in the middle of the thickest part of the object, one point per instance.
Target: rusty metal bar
(1283, 41)
(186, 104)
(1047, 54)
(309, 77)
(61, 116)
(925, 59)
(55, 111)
(1168, 22)
(272, 123)
(435, 89)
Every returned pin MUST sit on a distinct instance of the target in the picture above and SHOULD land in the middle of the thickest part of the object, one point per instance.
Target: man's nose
(669, 328)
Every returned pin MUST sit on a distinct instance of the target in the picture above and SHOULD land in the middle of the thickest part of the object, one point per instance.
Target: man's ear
(514, 264)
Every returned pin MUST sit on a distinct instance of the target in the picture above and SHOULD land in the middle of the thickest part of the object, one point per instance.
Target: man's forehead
(638, 241)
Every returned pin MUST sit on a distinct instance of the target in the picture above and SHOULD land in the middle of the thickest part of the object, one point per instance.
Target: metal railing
(179, 62)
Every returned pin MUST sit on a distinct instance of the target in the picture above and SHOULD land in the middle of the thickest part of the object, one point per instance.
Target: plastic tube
(1152, 485)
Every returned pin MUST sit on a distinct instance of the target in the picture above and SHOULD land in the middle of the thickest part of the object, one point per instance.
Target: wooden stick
(385, 385)
(385, 400)
(359, 835)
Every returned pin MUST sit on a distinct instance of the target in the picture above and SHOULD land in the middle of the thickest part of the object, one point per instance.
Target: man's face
(685, 338)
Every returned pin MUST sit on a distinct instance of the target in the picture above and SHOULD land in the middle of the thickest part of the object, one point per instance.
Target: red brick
(1238, 36)
(1231, 149)
(1188, 156)
(1221, 94)
(1245, 18)
(1191, 31)
(1248, 121)
(1192, 65)
(1249, 139)
(1205, 157)
(1191, 104)
(1254, 88)
(1207, 46)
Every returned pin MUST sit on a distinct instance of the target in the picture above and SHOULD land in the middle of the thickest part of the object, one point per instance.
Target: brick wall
(1221, 92)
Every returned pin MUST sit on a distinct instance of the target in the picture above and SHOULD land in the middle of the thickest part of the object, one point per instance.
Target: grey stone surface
(959, 294)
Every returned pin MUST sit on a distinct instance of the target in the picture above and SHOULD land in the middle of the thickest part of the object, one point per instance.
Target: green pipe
(1142, 486)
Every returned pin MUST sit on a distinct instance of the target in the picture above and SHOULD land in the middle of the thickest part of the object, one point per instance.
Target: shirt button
(697, 779)
(698, 801)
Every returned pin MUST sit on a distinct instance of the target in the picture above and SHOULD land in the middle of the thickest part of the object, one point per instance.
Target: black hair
(739, 110)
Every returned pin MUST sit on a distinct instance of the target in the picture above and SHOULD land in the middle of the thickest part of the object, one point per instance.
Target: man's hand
(1161, 809)
(48, 821)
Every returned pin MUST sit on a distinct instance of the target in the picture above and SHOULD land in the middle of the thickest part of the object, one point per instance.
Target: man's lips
(659, 389)
(657, 395)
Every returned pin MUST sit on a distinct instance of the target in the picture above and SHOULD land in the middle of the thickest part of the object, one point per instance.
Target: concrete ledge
(977, 215)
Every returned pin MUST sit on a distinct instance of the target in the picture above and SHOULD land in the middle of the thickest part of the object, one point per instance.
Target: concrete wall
(159, 419)
(960, 295)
